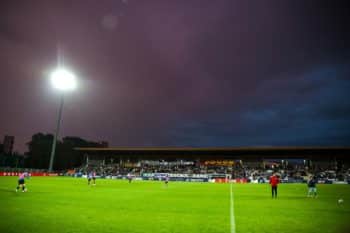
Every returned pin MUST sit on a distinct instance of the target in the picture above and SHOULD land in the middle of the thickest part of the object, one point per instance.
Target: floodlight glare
(63, 80)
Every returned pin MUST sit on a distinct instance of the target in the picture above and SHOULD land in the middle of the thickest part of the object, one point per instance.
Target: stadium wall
(30, 174)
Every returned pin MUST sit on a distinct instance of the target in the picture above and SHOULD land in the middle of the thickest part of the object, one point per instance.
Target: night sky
(179, 73)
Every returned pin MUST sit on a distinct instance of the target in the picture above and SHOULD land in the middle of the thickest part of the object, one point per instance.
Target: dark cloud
(280, 112)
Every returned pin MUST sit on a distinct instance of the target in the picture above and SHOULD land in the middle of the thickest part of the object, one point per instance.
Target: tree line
(39, 151)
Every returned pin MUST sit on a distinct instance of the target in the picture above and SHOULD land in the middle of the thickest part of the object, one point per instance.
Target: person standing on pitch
(274, 181)
(94, 178)
(129, 176)
(166, 180)
(89, 176)
(311, 184)
(21, 182)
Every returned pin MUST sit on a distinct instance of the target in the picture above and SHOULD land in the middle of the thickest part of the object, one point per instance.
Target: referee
(274, 181)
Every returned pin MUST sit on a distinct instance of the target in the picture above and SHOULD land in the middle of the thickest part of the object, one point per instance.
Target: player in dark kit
(311, 184)
(89, 177)
(274, 181)
(166, 180)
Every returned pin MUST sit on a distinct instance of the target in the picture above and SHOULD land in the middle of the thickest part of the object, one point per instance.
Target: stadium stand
(247, 164)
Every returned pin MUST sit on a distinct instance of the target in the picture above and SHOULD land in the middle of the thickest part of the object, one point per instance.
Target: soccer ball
(340, 201)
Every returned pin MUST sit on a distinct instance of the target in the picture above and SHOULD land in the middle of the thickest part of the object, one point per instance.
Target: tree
(66, 157)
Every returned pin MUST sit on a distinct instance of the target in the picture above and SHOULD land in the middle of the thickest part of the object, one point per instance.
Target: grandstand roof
(251, 148)
(222, 152)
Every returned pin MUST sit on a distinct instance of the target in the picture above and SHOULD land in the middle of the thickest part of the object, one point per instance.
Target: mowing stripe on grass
(232, 212)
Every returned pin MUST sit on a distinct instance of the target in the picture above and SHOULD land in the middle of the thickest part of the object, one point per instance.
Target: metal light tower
(63, 80)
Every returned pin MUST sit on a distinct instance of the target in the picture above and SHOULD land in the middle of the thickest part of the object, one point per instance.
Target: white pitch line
(232, 212)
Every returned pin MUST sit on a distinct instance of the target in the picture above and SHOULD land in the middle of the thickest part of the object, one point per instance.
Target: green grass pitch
(69, 205)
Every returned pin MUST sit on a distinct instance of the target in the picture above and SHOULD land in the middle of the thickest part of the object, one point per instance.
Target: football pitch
(69, 205)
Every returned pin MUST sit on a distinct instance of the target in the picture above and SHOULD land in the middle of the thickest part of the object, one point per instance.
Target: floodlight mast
(63, 80)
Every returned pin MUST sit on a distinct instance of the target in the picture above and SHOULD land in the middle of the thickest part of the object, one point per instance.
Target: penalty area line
(232, 212)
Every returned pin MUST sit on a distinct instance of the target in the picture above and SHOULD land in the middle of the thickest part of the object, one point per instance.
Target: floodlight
(63, 79)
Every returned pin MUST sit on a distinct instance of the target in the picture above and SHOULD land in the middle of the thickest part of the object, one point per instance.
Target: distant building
(8, 144)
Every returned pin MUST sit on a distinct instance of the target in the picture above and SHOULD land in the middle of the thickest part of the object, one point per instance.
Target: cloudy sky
(179, 73)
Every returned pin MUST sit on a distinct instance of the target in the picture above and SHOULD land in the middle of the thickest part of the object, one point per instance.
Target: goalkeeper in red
(274, 181)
